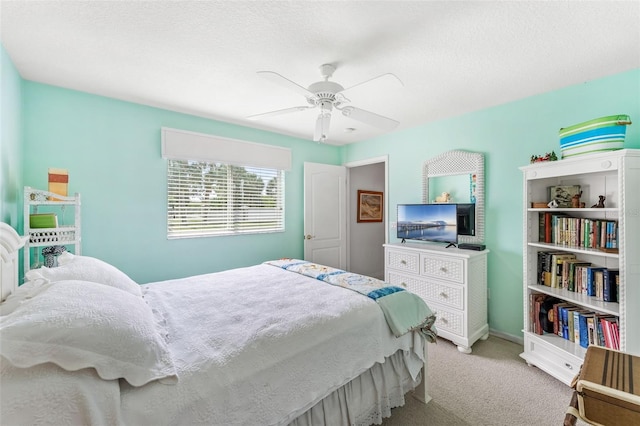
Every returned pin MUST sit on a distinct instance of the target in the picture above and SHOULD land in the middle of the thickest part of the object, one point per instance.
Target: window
(212, 198)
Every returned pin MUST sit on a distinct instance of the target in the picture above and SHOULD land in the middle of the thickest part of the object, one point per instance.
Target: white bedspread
(252, 346)
(274, 343)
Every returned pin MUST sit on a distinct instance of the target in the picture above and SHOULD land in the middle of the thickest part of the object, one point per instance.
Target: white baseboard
(515, 339)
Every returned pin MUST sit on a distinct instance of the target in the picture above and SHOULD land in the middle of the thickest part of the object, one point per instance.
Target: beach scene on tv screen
(428, 222)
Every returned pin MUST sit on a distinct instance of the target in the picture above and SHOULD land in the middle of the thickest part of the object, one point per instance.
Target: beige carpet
(492, 386)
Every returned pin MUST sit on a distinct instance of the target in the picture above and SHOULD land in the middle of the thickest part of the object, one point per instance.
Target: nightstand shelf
(67, 233)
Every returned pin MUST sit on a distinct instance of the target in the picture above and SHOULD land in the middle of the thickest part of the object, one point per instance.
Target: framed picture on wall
(370, 206)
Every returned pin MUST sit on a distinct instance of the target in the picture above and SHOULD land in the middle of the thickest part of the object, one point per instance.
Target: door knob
(309, 236)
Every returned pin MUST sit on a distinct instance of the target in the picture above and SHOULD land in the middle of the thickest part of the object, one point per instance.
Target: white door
(325, 213)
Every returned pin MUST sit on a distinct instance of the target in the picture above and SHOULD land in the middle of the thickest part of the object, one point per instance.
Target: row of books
(573, 323)
(559, 228)
(558, 269)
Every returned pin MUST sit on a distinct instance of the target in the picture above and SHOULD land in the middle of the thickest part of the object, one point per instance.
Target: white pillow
(85, 268)
(80, 324)
(26, 291)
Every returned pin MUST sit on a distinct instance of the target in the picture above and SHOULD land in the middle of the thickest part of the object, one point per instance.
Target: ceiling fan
(328, 95)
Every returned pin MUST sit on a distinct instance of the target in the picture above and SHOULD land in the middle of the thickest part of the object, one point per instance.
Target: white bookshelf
(616, 175)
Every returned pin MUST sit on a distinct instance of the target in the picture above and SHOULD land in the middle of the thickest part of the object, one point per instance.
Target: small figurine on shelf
(553, 204)
(445, 197)
(575, 200)
(549, 156)
(600, 204)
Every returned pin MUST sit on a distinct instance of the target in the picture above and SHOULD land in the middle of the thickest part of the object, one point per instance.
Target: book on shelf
(540, 276)
(557, 228)
(535, 302)
(601, 232)
(563, 229)
(612, 234)
(576, 324)
(598, 284)
(558, 305)
(544, 227)
(584, 328)
(591, 330)
(611, 332)
(605, 328)
(609, 288)
(567, 322)
(544, 266)
(572, 281)
(591, 279)
(556, 267)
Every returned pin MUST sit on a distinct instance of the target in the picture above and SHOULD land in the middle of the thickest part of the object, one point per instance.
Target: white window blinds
(207, 196)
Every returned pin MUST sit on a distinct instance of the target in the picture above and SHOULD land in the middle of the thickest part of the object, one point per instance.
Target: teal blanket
(403, 310)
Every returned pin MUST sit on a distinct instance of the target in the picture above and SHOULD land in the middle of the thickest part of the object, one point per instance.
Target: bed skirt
(365, 400)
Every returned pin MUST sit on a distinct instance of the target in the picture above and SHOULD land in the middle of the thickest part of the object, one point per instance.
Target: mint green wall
(10, 142)
(112, 152)
(508, 135)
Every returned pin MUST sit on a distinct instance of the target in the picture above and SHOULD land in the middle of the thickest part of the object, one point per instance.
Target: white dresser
(453, 282)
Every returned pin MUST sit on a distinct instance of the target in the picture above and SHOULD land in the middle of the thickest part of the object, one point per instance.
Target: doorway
(365, 239)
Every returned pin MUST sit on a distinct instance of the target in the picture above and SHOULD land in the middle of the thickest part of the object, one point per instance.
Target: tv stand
(452, 282)
(451, 244)
(403, 241)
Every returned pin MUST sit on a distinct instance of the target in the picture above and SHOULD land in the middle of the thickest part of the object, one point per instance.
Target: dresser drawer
(442, 267)
(449, 295)
(404, 261)
(448, 320)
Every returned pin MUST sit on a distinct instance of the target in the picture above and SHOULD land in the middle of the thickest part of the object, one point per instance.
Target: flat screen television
(467, 219)
(428, 222)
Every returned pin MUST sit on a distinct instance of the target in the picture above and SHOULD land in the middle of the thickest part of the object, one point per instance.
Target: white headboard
(10, 244)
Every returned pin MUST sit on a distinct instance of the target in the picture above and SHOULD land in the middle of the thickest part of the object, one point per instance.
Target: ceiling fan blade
(388, 78)
(285, 82)
(322, 127)
(278, 112)
(370, 118)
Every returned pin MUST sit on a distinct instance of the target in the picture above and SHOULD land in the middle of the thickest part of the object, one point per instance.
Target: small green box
(43, 220)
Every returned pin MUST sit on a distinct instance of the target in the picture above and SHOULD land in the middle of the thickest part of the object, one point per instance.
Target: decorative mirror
(457, 177)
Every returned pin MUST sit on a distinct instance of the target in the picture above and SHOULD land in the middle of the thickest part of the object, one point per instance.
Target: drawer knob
(569, 366)
(443, 294)
(443, 269)
(403, 262)
(444, 320)
(403, 284)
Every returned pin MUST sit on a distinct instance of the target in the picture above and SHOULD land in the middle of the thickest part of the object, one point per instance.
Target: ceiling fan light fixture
(328, 95)
(322, 127)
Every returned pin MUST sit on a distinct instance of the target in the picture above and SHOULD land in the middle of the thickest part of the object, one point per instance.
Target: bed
(283, 342)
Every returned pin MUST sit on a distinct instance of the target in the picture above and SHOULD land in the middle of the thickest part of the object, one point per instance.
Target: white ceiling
(202, 58)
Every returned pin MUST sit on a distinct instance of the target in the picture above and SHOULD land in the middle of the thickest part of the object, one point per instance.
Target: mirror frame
(458, 163)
